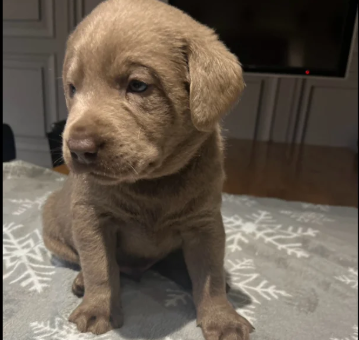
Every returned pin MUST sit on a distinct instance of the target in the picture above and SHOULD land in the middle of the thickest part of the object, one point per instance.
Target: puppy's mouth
(104, 172)
(103, 177)
(79, 169)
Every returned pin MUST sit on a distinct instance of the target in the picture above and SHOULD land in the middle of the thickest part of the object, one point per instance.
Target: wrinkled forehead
(115, 50)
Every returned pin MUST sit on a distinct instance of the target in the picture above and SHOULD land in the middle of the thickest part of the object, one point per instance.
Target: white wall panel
(28, 18)
(21, 10)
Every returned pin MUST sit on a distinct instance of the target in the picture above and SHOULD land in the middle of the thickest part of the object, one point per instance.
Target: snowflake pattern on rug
(252, 225)
(26, 204)
(247, 312)
(262, 226)
(325, 208)
(20, 169)
(350, 279)
(27, 253)
(307, 217)
(245, 278)
(169, 337)
(176, 296)
(61, 329)
(16, 169)
(354, 336)
(239, 200)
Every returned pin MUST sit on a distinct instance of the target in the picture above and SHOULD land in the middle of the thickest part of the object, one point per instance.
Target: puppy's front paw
(225, 324)
(94, 318)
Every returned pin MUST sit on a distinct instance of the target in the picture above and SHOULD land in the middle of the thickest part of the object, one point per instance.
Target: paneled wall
(34, 36)
(313, 111)
(34, 39)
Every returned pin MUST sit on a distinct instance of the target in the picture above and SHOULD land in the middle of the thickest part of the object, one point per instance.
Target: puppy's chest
(140, 240)
(147, 229)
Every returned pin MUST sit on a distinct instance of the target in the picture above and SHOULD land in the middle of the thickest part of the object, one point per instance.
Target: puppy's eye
(72, 90)
(137, 86)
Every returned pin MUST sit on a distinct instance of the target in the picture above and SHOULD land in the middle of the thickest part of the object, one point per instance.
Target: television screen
(281, 36)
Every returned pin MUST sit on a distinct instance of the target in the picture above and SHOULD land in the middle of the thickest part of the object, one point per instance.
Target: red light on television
(307, 72)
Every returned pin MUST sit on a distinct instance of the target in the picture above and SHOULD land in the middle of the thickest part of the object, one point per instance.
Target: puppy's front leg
(204, 254)
(100, 309)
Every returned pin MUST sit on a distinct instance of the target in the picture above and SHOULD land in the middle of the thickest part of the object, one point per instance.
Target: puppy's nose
(83, 151)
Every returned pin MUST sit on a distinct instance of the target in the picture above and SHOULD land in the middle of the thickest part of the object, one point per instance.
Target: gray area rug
(294, 272)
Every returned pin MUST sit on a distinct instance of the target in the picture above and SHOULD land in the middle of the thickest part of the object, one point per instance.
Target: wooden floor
(315, 174)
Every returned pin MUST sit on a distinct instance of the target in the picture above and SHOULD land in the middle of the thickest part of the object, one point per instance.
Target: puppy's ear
(216, 81)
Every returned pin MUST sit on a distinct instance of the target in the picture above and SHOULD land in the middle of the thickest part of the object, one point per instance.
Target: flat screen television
(293, 37)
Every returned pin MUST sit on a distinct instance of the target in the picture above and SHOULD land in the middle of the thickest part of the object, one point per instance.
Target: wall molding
(34, 150)
(259, 109)
(80, 10)
(307, 105)
(11, 11)
(46, 63)
(244, 118)
(294, 110)
(40, 144)
(267, 101)
(71, 14)
(271, 109)
(76, 12)
(43, 28)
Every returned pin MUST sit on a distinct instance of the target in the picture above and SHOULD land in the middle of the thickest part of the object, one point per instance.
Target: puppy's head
(145, 84)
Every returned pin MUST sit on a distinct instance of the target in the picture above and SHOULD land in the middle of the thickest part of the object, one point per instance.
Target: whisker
(128, 163)
(58, 160)
(133, 169)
